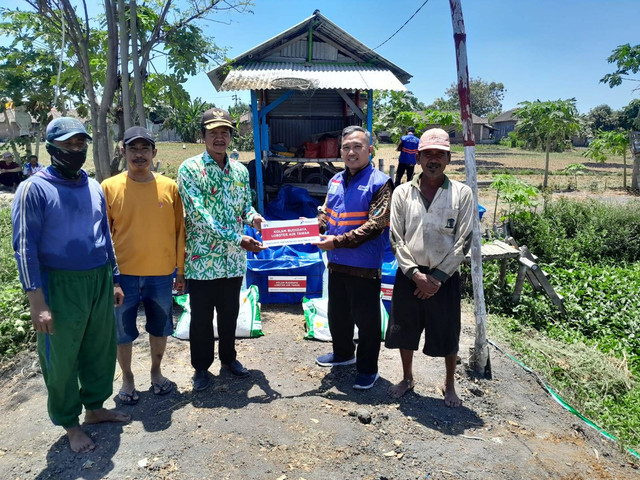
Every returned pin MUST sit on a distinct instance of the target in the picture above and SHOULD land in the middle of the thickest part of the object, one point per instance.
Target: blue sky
(539, 49)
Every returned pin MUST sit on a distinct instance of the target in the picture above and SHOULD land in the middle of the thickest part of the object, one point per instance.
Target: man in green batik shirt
(217, 200)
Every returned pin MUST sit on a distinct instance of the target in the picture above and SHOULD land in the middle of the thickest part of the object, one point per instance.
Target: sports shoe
(237, 369)
(200, 380)
(330, 360)
(365, 381)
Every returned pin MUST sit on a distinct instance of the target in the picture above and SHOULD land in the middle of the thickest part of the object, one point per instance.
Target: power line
(403, 25)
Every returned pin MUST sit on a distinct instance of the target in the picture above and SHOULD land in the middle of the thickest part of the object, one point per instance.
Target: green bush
(568, 231)
(512, 141)
(15, 324)
(601, 304)
(591, 251)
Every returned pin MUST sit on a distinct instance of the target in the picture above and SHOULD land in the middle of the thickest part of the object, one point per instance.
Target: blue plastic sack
(290, 204)
(481, 211)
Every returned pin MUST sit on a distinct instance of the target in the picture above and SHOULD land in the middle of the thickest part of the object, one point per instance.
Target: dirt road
(294, 420)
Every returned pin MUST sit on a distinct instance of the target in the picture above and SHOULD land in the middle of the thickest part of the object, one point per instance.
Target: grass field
(596, 179)
(528, 165)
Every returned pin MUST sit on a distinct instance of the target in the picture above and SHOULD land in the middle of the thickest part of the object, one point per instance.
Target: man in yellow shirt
(147, 225)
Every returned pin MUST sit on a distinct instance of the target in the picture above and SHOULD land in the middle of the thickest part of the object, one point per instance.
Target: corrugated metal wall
(318, 103)
(322, 52)
(304, 118)
(294, 132)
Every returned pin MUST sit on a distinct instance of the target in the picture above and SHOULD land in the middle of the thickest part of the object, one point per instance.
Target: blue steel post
(258, 152)
(370, 115)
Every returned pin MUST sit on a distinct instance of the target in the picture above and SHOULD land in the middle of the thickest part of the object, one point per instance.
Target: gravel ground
(294, 420)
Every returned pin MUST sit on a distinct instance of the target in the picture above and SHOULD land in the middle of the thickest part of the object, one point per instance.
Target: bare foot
(451, 398)
(399, 389)
(80, 441)
(103, 415)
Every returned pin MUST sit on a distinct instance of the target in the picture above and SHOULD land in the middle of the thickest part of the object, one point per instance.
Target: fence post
(381, 164)
(634, 140)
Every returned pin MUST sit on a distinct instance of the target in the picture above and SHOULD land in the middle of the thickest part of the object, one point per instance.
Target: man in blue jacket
(354, 218)
(67, 267)
(408, 148)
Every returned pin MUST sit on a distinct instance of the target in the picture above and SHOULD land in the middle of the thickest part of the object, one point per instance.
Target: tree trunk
(102, 133)
(624, 171)
(635, 176)
(546, 164)
(124, 65)
(137, 72)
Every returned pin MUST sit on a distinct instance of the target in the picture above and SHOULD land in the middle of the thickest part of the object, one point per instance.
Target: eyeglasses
(356, 148)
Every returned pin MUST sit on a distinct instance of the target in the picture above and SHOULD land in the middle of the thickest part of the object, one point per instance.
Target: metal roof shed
(304, 82)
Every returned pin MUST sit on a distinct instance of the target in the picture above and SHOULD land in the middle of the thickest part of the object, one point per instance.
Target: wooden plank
(503, 272)
(546, 285)
(496, 251)
(517, 290)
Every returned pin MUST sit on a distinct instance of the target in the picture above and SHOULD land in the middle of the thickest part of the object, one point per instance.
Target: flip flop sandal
(128, 398)
(162, 389)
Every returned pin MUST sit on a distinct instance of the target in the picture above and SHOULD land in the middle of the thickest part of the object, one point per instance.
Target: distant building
(483, 132)
(504, 123)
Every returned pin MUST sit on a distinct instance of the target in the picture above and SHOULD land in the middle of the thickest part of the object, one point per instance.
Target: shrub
(15, 324)
(568, 231)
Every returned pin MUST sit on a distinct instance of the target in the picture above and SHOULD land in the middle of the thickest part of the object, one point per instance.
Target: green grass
(15, 325)
(591, 355)
(598, 386)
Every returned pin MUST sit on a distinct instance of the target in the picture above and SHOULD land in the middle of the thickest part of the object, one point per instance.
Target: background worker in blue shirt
(408, 148)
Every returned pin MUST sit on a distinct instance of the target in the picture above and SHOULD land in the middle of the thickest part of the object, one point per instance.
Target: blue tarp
(290, 204)
(304, 260)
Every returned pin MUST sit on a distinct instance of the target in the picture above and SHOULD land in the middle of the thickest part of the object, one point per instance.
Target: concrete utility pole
(479, 359)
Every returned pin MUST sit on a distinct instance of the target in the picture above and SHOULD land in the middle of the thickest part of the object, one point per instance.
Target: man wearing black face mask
(67, 267)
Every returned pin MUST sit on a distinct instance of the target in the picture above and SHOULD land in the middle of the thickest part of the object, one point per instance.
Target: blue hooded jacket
(60, 224)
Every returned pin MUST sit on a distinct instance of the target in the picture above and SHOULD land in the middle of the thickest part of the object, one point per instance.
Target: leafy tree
(28, 69)
(627, 59)
(243, 142)
(611, 143)
(486, 98)
(185, 119)
(387, 106)
(430, 118)
(162, 32)
(603, 117)
(630, 115)
(517, 194)
(547, 124)
(394, 112)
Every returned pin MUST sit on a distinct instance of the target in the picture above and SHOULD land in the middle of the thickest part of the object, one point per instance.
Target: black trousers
(10, 179)
(354, 300)
(404, 167)
(223, 295)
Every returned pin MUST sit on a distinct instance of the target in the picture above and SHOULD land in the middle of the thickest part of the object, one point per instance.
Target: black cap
(134, 133)
(411, 129)
(216, 117)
